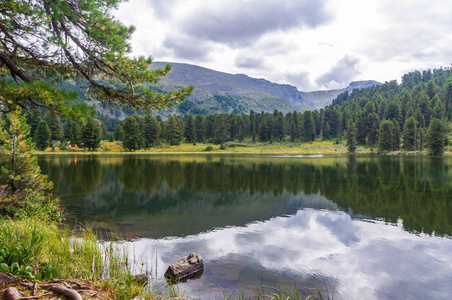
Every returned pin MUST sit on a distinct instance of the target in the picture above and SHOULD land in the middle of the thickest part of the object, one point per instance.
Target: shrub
(208, 148)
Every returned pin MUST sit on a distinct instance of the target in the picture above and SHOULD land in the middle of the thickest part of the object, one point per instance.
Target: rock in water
(190, 267)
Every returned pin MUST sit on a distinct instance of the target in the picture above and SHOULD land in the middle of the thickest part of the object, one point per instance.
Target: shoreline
(246, 148)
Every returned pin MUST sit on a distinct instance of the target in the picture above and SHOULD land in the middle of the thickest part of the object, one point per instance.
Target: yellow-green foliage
(284, 148)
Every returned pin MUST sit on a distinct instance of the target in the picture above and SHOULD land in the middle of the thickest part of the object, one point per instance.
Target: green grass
(277, 292)
(72, 255)
(317, 147)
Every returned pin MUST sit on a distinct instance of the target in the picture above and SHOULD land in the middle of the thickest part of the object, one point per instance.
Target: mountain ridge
(221, 92)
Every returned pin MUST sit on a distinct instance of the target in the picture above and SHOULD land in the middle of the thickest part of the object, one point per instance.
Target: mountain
(219, 92)
(319, 99)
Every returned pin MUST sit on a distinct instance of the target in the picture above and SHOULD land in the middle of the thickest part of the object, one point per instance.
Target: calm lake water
(355, 227)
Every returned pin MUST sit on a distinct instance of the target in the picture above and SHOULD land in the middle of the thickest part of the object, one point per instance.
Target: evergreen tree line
(143, 132)
(49, 129)
(413, 115)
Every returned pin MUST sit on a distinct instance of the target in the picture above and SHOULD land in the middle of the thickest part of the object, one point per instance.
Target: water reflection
(158, 196)
(342, 224)
(313, 248)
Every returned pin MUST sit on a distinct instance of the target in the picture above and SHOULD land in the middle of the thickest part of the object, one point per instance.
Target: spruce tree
(24, 191)
(42, 136)
(221, 129)
(33, 119)
(308, 131)
(389, 136)
(91, 134)
(253, 125)
(350, 135)
(265, 128)
(361, 133)
(189, 129)
(373, 126)
(435, 137)
(132, 136)
(173, 131)
(119, 133)
(294, 127)
(72, 132)
(152, 131)
(410, 134)
(200, 127)
(54, 123)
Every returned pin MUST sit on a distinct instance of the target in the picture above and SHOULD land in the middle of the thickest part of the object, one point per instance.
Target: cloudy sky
(312, 44)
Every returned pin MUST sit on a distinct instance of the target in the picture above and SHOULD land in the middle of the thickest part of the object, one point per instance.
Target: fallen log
(190, 267)
(68, 292)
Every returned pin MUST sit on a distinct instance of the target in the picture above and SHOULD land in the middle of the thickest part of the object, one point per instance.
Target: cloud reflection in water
(360, 260)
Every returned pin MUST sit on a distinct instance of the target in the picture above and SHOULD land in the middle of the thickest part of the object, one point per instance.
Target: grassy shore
(246, 147)
(43, 251)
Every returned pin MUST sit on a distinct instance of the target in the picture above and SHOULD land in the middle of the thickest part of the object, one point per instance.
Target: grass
(72, 255)
(247, 147)
(318, 147)
(277, 292)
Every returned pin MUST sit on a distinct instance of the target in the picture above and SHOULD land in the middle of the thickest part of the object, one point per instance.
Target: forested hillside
(411, 116)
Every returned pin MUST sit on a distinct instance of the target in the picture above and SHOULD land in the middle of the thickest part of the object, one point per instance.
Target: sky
(311, 44)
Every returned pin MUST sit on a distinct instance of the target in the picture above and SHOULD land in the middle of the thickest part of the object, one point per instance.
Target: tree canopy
(46, 42)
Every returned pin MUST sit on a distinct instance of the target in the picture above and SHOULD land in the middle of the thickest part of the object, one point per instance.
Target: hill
(219, 92)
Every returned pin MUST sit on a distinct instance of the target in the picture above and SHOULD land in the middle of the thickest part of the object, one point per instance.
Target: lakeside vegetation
(318, 147)
(413, 116)
(45, 45)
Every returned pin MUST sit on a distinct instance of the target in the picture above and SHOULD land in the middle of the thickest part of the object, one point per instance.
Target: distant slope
(320, 99)
(219, 92)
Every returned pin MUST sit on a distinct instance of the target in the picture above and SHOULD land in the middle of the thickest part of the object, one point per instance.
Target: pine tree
(91, 135)
(69, 40)
(42, 136)
(189, 129)
(308, 131)
(294, 126)
(132, 135)
(361, 133)
(373, 126)
(435, 137)
(221, 128)
(253, 125)
(350, 135)
(152, 131)
(72, 132)
(119, 133)
(265, 128)
(173, 131)
(389, 136)
(24, 191)
(200, 127)
(54, 123)
(410, 134)
(241, 133)
(33, 119)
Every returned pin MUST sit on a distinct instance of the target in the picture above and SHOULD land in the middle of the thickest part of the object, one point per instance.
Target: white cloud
(277, 40)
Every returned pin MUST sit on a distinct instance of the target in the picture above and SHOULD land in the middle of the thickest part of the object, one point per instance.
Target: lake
(355, 227)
